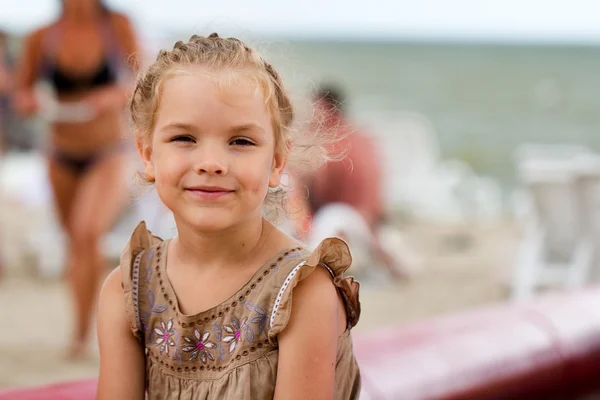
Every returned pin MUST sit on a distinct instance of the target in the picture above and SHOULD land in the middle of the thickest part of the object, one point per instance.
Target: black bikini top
(66, 82)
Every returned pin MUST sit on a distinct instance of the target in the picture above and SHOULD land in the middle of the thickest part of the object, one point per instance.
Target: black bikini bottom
(80, 164)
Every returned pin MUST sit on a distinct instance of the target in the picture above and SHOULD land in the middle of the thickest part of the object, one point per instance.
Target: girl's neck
(229, 248)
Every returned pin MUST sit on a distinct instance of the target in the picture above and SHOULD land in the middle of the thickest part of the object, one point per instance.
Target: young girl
(231, 308)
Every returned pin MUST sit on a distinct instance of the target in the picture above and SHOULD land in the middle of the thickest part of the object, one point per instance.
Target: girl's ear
(145, 152)
(279, 162)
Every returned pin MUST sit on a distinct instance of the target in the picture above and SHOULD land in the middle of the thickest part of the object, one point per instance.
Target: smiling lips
(209, 192)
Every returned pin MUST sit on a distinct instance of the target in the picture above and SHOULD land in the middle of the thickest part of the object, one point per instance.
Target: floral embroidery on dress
(177, 356)
(164, 336)
(145, 315)
(199, 346)
(260, 318)
(218, 330)
(235, 333)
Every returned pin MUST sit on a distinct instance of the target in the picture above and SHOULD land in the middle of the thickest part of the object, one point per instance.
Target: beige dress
(229, 351)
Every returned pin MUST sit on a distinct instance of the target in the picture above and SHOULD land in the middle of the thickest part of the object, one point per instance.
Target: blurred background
(477, 109)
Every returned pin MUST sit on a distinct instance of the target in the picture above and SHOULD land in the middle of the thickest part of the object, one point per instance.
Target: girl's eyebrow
(250, 126)
(177, 126)
(236, 129)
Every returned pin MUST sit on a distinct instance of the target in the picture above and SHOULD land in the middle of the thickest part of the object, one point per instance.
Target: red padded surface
(549, 348)
(78, 390)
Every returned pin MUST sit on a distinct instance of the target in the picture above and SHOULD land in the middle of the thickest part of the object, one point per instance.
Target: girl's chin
(212, 221)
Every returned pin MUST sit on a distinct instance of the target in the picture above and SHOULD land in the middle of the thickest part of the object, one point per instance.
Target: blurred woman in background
(83, 56)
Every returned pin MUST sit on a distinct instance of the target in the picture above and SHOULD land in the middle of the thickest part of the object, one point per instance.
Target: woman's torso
(76, 61)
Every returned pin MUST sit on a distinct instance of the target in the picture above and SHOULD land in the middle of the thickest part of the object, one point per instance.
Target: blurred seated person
(344, 198)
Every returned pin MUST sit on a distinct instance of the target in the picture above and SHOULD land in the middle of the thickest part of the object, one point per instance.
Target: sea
(481, 101)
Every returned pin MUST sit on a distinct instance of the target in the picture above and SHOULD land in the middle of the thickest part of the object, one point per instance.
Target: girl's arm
(122, 368)
(308, 344)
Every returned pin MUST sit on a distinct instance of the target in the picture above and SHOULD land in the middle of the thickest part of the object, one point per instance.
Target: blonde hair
(216, 53)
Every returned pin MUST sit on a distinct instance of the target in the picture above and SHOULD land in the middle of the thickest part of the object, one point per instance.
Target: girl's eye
(242, 142)
(182, 139)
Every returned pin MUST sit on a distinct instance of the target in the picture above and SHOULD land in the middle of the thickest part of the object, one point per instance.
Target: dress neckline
(168, 288)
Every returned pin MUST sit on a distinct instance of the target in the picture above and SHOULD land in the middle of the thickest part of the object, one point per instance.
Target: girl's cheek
(259, 184)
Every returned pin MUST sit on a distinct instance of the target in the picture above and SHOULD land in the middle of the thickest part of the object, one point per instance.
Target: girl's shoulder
(141, 240)
(134, 261)
(333, 255)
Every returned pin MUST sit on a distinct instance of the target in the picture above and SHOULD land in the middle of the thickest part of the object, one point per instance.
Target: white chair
(588, 186)
(529, 152)
(558, 246)
(422, 182)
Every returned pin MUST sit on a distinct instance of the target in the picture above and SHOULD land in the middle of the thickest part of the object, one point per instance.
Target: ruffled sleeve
(131, 267)
(332, 254)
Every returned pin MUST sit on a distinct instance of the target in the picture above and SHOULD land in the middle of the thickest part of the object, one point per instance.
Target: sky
(576, 21)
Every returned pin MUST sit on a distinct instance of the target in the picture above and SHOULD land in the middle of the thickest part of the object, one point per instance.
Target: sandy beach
(464, 266)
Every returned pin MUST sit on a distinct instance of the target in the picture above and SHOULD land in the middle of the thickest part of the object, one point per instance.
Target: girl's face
(213, 151)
